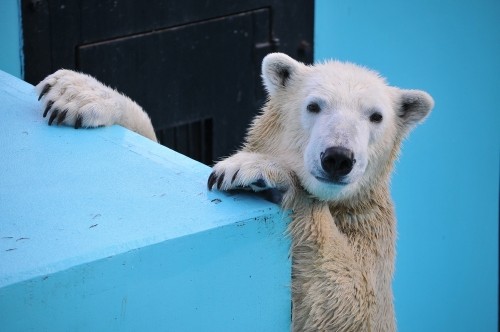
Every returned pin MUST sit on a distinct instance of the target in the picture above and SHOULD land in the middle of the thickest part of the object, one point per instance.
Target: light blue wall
(446, 183)
(10, 45)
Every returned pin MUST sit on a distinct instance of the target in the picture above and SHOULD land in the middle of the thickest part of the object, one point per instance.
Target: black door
(194, 66)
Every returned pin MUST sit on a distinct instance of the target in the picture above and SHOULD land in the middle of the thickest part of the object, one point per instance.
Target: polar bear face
(341, 124)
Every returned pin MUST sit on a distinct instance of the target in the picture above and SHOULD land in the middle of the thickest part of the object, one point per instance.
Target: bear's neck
(366, 219)
(366, 215)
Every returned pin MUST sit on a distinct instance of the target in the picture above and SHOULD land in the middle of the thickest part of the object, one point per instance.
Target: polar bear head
(339, 125)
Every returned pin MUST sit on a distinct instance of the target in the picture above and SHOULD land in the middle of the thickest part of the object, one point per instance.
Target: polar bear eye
(313, 107)
(376, 117)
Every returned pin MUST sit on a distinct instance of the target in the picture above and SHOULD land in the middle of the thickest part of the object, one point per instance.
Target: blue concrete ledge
(104, 230)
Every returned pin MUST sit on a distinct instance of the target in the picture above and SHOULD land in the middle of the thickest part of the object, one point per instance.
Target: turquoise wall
(446, 183)
(10, 43)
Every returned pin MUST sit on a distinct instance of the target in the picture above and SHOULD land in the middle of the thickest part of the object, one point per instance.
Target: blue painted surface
(446, 183)
(10, 41)
(105, 230)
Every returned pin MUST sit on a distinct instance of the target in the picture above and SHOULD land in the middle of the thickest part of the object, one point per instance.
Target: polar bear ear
(277, 70)
(413, 107)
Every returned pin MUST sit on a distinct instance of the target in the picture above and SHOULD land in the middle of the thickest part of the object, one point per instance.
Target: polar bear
(326, 140)
(328, 137)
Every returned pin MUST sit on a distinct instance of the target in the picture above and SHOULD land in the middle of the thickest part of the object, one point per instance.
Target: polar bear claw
(79, 100)
(249, 170)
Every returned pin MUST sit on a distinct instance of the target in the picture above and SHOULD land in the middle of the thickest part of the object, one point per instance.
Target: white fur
(348, 95)
(98, 105)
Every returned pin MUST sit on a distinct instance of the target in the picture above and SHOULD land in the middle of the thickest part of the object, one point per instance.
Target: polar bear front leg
(254, 171)
(80, 100)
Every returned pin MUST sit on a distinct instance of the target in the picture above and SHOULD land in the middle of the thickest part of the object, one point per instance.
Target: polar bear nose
(337, 161)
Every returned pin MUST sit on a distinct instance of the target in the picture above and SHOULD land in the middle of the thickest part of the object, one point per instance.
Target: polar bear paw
(78, 100)
(251, 171)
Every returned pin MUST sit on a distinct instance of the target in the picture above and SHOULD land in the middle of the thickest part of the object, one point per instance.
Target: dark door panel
(193, 65)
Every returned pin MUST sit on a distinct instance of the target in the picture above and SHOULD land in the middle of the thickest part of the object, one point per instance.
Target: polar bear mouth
(337, 182)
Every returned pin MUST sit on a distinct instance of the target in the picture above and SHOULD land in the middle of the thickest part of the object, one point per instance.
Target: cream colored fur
(343, 234)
